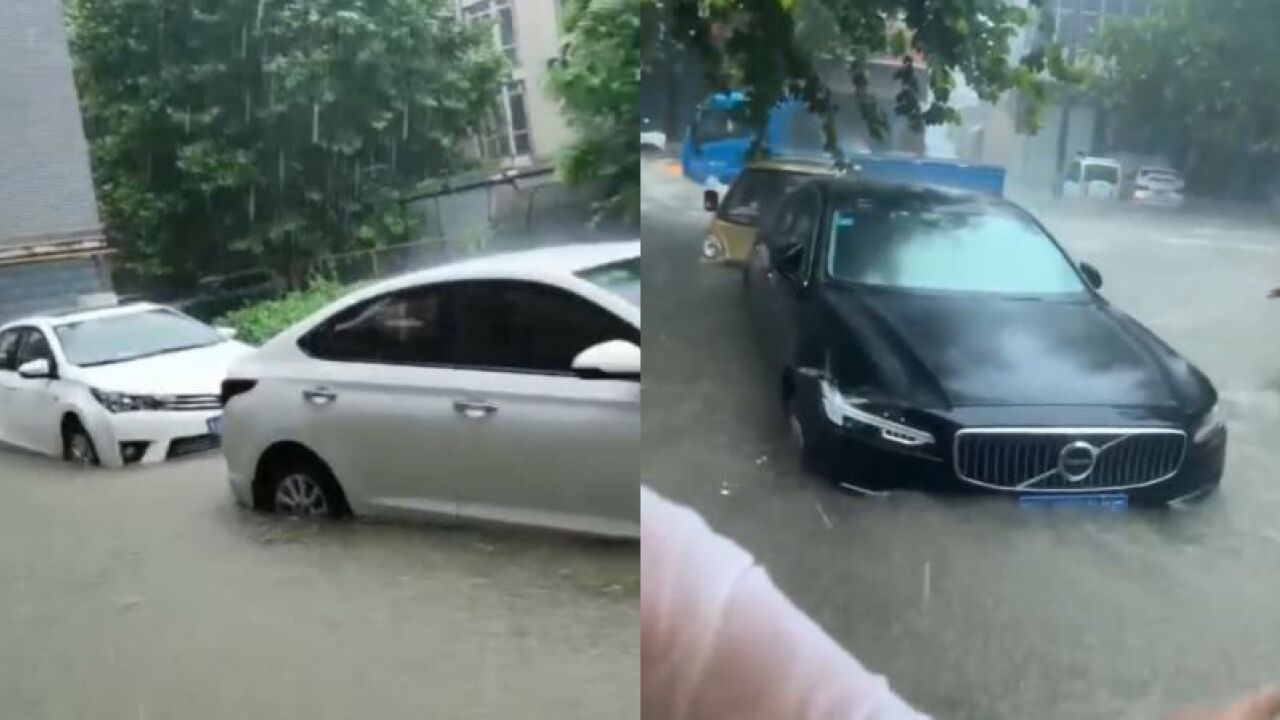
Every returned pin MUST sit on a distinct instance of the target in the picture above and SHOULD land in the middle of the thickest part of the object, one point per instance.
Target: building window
(508, 133)
(518, 118)
(1138, 8)
(1076, 21)
(501, 14)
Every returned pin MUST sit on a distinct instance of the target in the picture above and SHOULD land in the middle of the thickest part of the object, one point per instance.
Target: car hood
(190, 372)
(1001, 351)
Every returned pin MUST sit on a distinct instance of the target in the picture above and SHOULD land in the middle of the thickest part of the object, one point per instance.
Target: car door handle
(320, 396)
(474, 409)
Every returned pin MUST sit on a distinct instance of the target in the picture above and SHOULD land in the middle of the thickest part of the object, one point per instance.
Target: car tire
(77, 445)
(305, 489)
(812, 458)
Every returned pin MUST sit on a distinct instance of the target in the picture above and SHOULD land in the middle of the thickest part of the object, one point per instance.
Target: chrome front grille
(1032, 459)
(190, 402)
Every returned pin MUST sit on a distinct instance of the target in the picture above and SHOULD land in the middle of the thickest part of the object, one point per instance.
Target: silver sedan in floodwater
(503, 389)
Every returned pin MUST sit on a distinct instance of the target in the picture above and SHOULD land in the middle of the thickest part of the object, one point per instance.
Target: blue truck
(716, 144)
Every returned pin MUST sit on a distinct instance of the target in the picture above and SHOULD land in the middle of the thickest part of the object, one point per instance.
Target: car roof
(71, 315)
(540, 263)
(807, 166)
(860, 188)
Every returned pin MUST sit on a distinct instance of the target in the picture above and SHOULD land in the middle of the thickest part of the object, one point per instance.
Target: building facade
(1075, 22)
(528, 126)
(52, 249)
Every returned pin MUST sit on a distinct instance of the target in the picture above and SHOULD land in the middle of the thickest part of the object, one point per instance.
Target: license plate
(215, 425)
(1105, 501)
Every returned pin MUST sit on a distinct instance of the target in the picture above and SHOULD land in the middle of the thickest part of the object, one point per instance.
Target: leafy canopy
(597, 78)
(1195, 81)
(231, 133)
(775, 49)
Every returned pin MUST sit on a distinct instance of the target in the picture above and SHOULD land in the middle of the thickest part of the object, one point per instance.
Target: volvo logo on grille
(1076, 460)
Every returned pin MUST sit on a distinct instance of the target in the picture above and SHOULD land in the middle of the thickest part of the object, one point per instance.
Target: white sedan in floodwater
(121, 385)
(504, 389)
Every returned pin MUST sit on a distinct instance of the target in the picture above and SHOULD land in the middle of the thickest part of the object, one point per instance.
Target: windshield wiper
(165, 351)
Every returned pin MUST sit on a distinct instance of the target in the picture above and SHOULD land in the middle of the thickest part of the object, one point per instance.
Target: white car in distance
(1159, 186)
(132, 384)
(502, 389)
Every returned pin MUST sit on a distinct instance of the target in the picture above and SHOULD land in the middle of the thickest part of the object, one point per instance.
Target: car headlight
(712, 248)
(117, 402)
(1212, 423)
(850, 411)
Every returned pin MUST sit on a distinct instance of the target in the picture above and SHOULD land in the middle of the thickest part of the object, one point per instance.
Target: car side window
(9, 341)
(411, 326)
(807, 205)
(34, 347)
(529, 327)
(778, 227)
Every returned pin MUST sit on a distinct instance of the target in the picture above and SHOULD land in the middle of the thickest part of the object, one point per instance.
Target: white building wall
(538, 41)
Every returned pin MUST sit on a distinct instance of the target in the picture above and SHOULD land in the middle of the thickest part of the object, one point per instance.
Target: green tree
(776, 49)
(1195, 82)
(229, 133)
(597, 78)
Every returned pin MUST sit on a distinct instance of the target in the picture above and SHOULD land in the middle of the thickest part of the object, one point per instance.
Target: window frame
(29, 331)
(10, 364)
(805, 193)
(449, 287)
(784, 228)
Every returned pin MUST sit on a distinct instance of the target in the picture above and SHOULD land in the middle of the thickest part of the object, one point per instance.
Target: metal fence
(360, 265)
(500, 213)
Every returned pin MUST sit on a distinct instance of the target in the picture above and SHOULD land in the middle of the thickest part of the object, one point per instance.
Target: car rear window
(621, 278)
(756, 193)
(1103, 173)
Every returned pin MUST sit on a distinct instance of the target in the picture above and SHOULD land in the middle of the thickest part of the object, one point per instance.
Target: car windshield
(722, 124)
(756, 193)
(119, 338)
(958, 248)
(1102, 173)
(621, 278)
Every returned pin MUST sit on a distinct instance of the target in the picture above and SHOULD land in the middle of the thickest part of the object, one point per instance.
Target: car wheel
(811, 456)
(304, 489)
(77, 446)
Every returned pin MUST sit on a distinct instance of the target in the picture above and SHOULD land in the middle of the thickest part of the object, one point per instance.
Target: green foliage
(256, 324)
(1196, 82)
(597, 77)
(776, 49)
(230, 133)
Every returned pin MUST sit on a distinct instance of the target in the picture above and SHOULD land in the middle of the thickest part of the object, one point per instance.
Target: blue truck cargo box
(718, 151)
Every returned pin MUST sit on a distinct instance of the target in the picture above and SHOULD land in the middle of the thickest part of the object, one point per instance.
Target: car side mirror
(1092, 275)
(614, 359)
(788, 259)
(710, 200)
(227, 333)
(35, 369)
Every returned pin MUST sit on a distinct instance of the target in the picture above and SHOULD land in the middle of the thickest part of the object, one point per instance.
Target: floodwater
(977, 608)
(149, 594)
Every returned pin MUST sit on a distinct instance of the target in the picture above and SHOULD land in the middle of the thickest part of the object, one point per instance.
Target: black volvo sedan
(943, 340)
